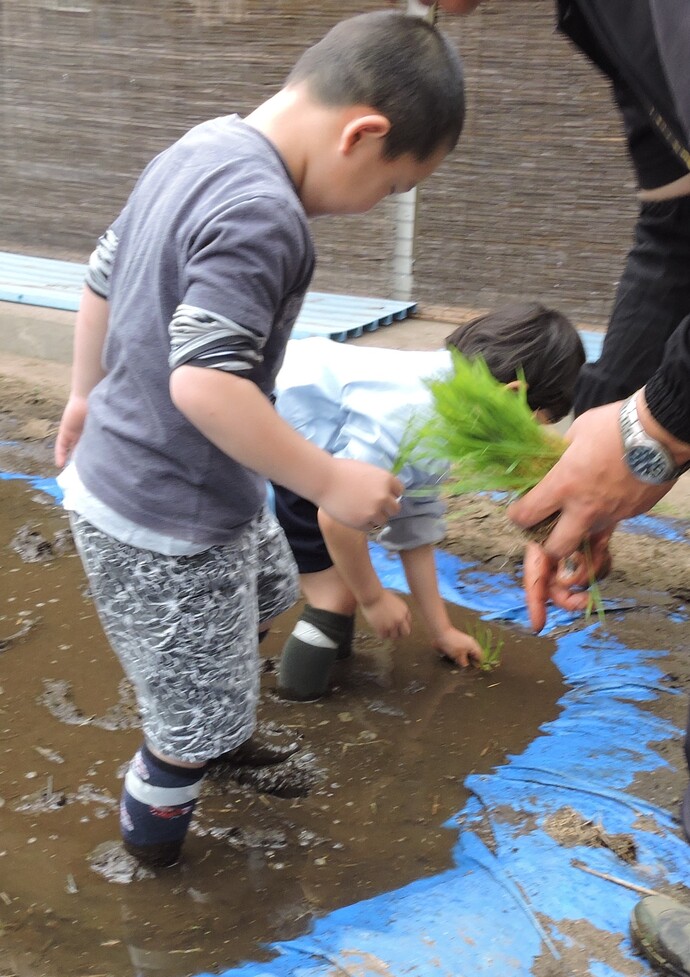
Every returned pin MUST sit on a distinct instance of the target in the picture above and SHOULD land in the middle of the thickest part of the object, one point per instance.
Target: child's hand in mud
(459, 647)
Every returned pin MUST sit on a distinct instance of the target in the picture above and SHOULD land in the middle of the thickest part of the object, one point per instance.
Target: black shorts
(299, 519)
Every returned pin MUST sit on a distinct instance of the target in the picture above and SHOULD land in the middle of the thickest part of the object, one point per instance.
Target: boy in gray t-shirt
(188, 305)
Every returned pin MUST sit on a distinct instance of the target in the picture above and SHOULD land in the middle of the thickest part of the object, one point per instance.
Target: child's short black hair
(400, 66)
(541, 343)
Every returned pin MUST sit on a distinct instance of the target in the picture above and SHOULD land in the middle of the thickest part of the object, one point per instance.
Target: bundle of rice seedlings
(486, 437)
(483, 432)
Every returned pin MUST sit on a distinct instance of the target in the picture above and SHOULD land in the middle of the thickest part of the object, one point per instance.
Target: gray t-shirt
(208, 264)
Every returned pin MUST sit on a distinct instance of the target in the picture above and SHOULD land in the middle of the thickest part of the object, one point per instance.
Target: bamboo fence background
(537, 202)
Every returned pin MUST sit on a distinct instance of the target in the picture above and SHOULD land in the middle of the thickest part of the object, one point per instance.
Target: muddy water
(386, 754)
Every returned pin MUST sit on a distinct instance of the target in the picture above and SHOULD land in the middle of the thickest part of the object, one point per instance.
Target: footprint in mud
(26, 625)
(295, 777)
(258, 838)
(49, 798)
(57, 698)
(244, 839)
(33, 547)
(110, 860)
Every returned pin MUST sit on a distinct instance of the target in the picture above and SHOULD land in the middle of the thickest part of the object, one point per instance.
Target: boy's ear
(516, 385)
(372, 126)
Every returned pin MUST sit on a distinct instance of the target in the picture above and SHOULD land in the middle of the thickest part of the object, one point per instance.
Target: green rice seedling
(482, 431)
(485, 437)
(491, 647)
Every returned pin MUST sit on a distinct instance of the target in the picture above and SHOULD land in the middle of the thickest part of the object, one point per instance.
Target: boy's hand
(361, 496)
(388, 616)
(71, 427)
(459, 647)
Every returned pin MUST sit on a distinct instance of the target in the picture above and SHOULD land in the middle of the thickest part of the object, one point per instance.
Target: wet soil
(383, 757)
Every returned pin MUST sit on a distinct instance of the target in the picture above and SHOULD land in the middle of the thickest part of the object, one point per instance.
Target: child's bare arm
(385, 612)
(420, 571)
(234, 415)
(90, 330)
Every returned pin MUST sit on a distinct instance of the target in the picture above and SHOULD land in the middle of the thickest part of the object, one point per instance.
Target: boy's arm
(234, 414)
(90, 331)
(385, 612)
(420, 571)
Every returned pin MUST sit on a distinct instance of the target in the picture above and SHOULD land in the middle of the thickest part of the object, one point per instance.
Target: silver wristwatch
(645, 457)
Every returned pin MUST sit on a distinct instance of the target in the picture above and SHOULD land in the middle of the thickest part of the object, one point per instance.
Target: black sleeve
(668, 392)
(671, 19)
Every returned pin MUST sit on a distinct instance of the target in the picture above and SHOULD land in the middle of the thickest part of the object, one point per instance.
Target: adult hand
(71, 427)
(591, 486)
(593, 489)
(545, 578)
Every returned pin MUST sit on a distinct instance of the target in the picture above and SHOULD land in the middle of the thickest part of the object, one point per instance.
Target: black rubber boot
(263, 748)
(161, 855)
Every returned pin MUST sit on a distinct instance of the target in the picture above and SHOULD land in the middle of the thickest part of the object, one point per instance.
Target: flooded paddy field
(381, 766)
(377, 784)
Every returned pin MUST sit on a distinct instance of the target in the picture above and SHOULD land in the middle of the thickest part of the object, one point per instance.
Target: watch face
(647, 464)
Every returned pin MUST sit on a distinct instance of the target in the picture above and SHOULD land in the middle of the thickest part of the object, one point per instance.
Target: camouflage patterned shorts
(185, 630)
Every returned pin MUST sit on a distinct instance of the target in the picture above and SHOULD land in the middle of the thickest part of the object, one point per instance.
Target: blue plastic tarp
(509, 902)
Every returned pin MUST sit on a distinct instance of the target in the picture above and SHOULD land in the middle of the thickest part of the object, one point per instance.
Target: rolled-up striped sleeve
(101, 264)
(204, 338)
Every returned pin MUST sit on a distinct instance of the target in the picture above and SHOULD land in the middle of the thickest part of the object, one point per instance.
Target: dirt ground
(651, 575)
(34, 391)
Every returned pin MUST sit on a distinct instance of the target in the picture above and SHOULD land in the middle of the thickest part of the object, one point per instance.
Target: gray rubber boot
(660, 931)
(305, 669)
(348, 633)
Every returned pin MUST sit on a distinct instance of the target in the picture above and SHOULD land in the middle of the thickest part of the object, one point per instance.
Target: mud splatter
(569, 828)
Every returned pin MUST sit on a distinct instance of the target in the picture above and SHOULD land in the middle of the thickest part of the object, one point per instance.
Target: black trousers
(653, 297)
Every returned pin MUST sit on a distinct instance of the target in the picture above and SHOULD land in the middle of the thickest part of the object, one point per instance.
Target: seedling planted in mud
(491, 647)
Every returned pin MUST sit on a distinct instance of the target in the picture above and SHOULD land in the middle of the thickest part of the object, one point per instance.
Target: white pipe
(403, 249)
(405, 216)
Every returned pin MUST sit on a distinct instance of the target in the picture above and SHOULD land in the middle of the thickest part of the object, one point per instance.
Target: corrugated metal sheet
(536, 202)
(56, 284)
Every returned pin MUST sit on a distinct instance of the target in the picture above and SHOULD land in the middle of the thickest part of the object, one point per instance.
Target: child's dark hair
(400, 66)
(541, 343)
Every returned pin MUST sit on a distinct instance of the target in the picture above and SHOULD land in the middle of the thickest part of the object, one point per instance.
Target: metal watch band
(634, 434)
